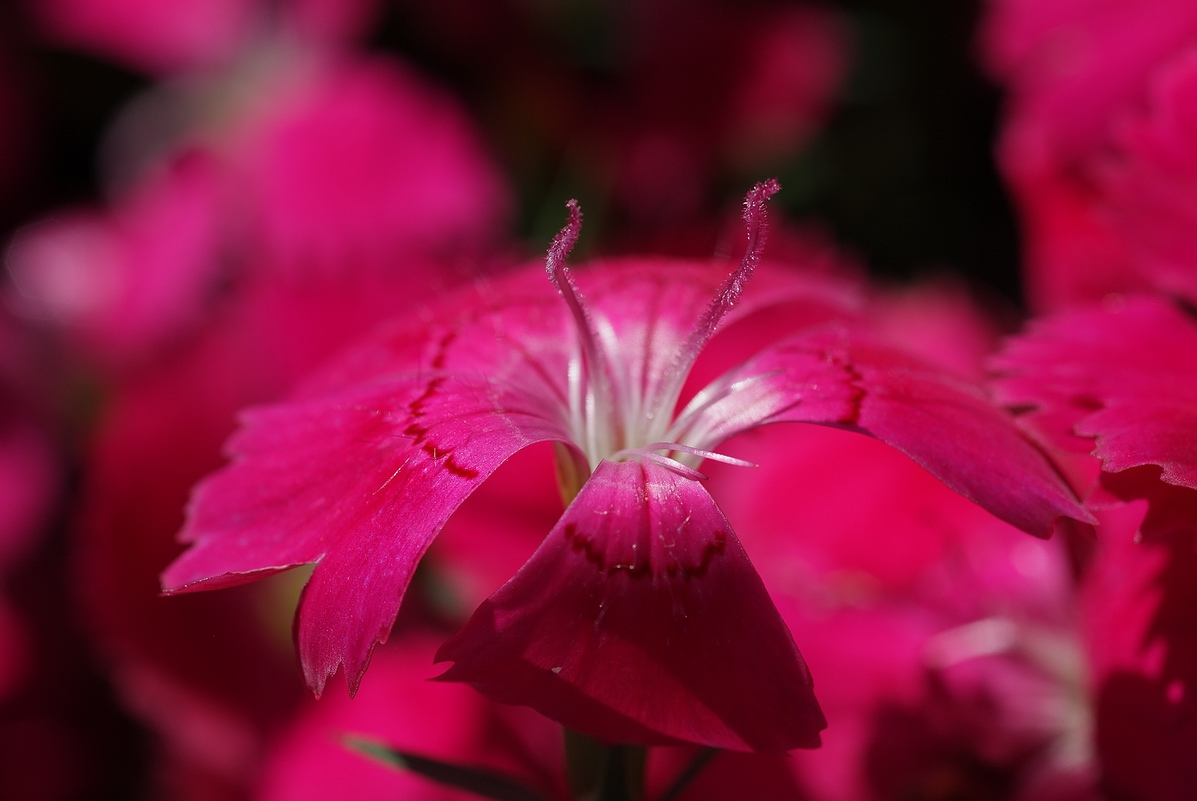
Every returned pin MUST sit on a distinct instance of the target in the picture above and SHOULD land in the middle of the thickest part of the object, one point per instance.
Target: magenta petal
(1141, 369)
(1121, 378)
(123, 281)
(152, 36)
(359, 483)
(1154, 430)
(640, 619)
(945, 424)
(1136, 350)
(953, 431)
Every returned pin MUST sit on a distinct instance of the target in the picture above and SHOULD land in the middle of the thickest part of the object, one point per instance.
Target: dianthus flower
(1116, 381)
(639, 619)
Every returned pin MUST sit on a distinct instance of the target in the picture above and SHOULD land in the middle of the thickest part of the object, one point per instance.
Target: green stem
(688, 775)
(599, 772)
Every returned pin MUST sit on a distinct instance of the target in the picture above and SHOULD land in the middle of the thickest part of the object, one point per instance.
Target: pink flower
(123, 280)
(1095, 144)
(199, 669)
(1117, 382)
(450, 722)
(1100, 152)
(358, 160)
(628, 623)
(1075, 65)
(324, 171)
(1150, 186)
(1111, 387)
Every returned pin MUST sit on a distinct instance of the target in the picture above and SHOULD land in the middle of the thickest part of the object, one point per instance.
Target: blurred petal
(406, 711)
(124, 281)
(361, 158)
(190, 35)
(1117, 380)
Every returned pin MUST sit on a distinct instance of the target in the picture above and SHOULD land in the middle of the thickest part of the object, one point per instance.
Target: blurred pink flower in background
(194, 35)
(1151, 181)
(1096, 92)
(1099, 149)
(449, 721)
(953, 640)
(125, 281)
(321, 169)
(405, 710)
(1110, 387)
(1142, 640)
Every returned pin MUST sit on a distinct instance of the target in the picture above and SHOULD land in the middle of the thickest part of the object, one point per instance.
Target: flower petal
(946, 425)
(1118, 381)
(514, 330)
(1156, 430)
(640, 619)
(518, 329)
(360, 483)
(1067, 365)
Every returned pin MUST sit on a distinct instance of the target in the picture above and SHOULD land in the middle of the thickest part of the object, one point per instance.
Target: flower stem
(599, 772)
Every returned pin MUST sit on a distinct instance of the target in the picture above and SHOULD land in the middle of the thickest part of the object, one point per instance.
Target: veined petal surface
(359, 483)
(640, 619)
(947, 425)
(1119, 381)
(644, 310)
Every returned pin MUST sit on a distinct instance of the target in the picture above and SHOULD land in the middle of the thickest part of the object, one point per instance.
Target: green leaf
(482, 783)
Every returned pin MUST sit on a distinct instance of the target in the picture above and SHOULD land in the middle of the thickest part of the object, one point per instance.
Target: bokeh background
(901, 171)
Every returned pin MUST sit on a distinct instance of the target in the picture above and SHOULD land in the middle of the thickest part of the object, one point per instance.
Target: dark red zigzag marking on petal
(856, 381)
(585, 544)
(419, 433)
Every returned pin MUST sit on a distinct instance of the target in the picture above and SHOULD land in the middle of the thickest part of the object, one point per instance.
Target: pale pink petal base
(640, 619)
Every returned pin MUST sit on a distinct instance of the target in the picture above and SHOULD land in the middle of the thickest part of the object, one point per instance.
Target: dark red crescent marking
(585, 544)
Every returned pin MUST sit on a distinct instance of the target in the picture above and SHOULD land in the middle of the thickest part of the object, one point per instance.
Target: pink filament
(755, 218)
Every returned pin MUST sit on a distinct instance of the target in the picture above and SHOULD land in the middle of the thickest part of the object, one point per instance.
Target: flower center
(608, 427)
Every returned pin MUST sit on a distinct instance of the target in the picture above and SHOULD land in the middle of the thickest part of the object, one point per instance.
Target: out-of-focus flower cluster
(323, 211)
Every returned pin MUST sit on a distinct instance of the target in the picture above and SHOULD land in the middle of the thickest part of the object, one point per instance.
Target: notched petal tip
(317, 676)
(324, 649)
